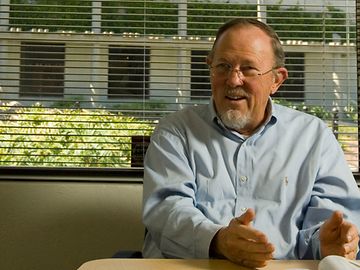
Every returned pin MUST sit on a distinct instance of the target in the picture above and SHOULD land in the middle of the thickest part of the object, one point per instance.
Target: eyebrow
(244, 62)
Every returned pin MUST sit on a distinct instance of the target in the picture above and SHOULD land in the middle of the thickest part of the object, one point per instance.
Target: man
(243, 178)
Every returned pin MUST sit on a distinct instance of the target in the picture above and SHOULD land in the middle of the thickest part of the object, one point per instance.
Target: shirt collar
(271, 120)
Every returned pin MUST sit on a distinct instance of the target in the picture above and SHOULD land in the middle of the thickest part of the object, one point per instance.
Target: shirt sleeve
(334, 189)
(178, 228)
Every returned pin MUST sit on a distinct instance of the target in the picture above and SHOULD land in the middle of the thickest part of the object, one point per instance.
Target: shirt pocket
(273, 190)
(212, 190)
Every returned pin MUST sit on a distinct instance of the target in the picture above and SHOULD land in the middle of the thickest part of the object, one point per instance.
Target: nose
(235, 78)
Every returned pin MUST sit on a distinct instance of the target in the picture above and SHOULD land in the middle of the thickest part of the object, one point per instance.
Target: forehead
(244, 41)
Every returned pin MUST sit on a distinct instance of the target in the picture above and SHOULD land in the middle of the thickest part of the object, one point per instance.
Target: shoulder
(175, 130)
(294, 117)
(301, 125)
(184, 118)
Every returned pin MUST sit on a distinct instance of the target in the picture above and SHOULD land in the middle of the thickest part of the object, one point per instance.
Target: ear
(281, 74)
(208, 60)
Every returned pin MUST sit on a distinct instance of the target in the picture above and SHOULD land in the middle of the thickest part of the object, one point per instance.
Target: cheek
(217, 88)
(268, 85)
(215, 83)
(262, 91)
(218, 99)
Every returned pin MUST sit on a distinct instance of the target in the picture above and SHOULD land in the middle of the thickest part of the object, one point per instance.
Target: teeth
(235, 94)
(235, 97)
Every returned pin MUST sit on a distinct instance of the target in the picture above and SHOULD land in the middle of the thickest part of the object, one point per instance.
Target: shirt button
(243, 178)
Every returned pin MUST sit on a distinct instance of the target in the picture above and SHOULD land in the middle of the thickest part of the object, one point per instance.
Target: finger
(254, 264)
(241, 246)
(342, 249)
(248, 233)
(353, 245)
(330, 229)
(241, 226)
(334, 221)
(238, 247)
(350, 247)
(247, 217)
(351, 255)
(250, 259)
(349, 232)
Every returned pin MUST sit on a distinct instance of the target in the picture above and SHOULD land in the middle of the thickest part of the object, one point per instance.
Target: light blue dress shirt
(198, 175)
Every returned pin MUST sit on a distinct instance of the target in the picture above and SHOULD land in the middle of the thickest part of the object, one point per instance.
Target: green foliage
(296, 23)
(352, 113)
(70, 15)
(134, 16)
(153, 108)
(38, 136)
(293, 22)
(69, 103)
(161, 18)
(318, 111)
(205, 17)
(348, 114)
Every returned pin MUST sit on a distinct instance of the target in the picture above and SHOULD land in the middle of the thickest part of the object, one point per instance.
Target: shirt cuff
(204, 235)
(315, 245)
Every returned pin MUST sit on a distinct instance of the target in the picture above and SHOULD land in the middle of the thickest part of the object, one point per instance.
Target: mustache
(238, 91)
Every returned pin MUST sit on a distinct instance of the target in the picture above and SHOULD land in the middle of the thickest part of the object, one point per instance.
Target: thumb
(333, 222)
(247, 217)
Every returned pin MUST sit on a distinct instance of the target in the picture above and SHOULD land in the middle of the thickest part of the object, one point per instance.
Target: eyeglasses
(225, 69)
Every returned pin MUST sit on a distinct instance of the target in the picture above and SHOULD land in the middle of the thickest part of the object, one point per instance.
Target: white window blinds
(83, 83)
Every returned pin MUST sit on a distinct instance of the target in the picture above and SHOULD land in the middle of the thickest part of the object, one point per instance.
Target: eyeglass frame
(238, 71)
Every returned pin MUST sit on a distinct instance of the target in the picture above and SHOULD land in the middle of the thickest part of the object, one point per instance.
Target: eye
(249, 70)
(223, 67)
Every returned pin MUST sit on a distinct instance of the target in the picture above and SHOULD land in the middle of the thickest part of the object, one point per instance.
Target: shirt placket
(243, 179)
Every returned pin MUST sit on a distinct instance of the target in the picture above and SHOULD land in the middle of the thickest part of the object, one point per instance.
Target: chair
(130, 254)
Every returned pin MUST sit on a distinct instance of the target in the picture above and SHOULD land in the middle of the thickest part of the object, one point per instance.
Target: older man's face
(241, 100)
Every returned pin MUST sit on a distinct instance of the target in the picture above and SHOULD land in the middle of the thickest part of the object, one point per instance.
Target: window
(83, 84)
(42, 69)
(293, 88)
(128, 72)
(200, 81)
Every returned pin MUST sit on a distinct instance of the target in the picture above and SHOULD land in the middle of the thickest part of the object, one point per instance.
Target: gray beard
(234, 120)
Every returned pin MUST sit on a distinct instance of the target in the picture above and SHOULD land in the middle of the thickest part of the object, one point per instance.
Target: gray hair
(278, 50)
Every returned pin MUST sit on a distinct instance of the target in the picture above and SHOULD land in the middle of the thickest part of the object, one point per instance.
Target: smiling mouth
(235, 98)
(235, 94)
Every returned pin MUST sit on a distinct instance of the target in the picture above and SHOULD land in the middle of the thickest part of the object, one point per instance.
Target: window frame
(44, 172)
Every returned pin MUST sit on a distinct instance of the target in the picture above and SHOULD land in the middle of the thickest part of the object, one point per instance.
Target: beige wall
(60, 225)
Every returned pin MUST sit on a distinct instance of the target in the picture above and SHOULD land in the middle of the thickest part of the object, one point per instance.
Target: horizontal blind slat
(130, 63)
